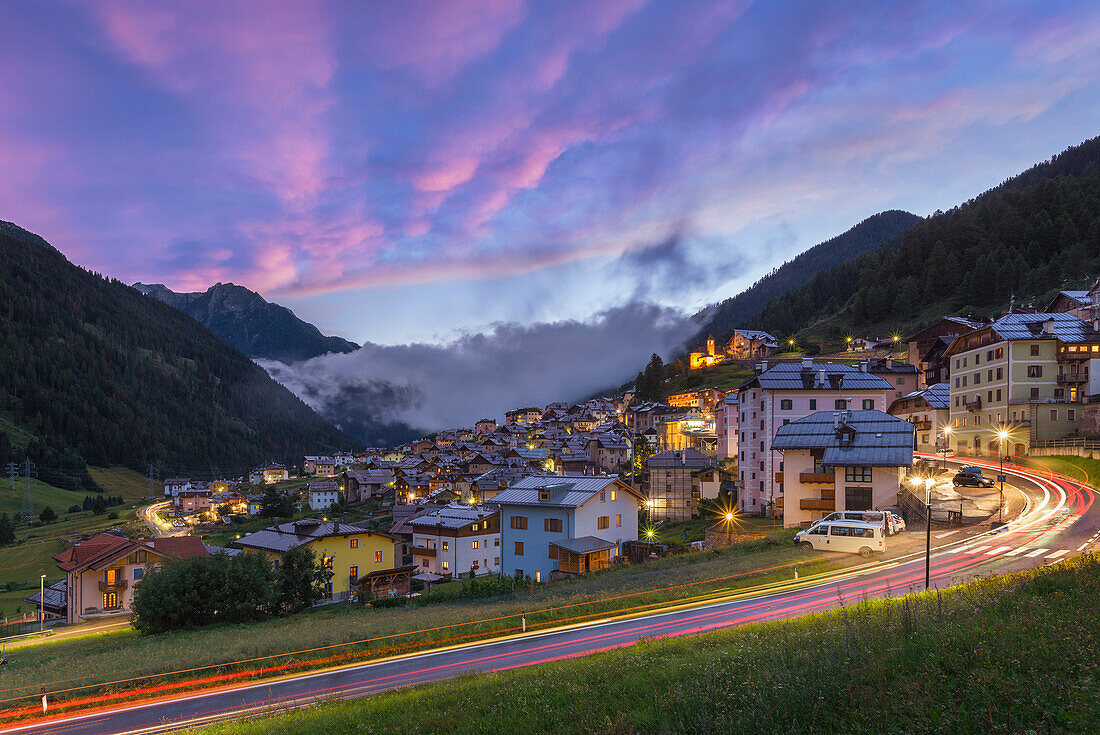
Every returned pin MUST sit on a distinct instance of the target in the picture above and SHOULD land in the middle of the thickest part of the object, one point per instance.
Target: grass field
(1016, 654)
(119, 655)
(1081, 468)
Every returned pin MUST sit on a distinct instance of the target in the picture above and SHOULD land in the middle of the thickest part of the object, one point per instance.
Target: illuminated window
(446, 546)
(353, 543)
(446, 565)
(602, 522)
(326, 562)
(353, 573)
(613, 496)
(474, 544)
(618, 520)
(378, 557)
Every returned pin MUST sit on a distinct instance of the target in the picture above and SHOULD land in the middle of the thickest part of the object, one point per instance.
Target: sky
(424, 171)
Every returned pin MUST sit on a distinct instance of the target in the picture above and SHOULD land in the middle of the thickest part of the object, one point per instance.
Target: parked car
(971, 479)
(971, 470)
(883, 518)
(853, 537)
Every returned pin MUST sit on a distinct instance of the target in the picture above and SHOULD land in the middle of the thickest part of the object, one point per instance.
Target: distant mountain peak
(247, 321)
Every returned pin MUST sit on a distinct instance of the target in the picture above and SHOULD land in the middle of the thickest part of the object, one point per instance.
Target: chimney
(336, 525)
(1048, 326)
(836, 420)
(807, 364)
(863, 366)
(763, 366)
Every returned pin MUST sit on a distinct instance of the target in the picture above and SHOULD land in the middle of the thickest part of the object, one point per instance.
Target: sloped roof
(819, 376)
(1063, 326)
(877, 439)
(371, 477)
(938, 395)
(452, 516)
(501, 477)
(759, 334)
(55, 597)
(286, 536)
(583, 544)
(566, 491)
(681, 458)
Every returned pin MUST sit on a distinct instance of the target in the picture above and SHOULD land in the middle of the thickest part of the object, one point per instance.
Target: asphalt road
(1057, 520)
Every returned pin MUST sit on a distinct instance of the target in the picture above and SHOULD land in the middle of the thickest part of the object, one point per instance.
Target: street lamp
(946, 445)
(41, 602)
(928, 483)
(1002, 435)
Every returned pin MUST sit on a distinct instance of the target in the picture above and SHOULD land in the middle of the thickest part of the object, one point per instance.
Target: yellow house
(349, 551)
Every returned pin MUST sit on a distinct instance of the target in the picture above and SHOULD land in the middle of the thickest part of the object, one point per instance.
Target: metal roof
(566, 491)
(851, 438)
(583, 544)
(286, 536)
(453, 516)
(757, 334)
(826, 376)
(1055, 325)
(937, 395)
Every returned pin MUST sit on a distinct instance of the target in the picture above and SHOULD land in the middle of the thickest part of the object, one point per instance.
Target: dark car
(971, 470)
(971, 479)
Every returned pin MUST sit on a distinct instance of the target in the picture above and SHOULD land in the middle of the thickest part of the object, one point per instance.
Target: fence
(913, 510)
(9, 629)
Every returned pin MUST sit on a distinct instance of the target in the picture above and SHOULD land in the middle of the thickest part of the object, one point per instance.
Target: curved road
(1057, 521)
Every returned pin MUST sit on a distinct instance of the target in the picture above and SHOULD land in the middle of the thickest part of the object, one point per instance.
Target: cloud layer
(342, 154)
(376, 391)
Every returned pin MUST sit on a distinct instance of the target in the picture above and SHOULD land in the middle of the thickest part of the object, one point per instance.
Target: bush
(75, 509)
(112, 516)
(381, 602)
(48, 515)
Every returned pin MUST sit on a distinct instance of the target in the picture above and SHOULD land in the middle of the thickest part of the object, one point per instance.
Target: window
(977, 420)
(964, 381)
(786, 421)
(496, 541)
(1071, 415)
(1034, 350)
(602, 522)
(989, 355)
(378, 557)
(353, 573)
(519, 548)
(613, 496)
(857, 498)
(445, 565)
(353, 543)
(603, 495)
(840, 404)
(786, 404)
(1054, 414)
(446, 545)
(473, 527)
(977, 358)
(1000, 352)
(496, 560)
(473, 545)
(901, 380)
(519, 572)
(857, 474)
(813, 404)
(989, 395)
(518, 522)
(328, 590)
(989, 375)
(552, 525)
(868, 404)
(1034, 393)
(326, 562)
(1034, 371)
(544, 494)
(998, 394)
(139, 570)
(977, 378)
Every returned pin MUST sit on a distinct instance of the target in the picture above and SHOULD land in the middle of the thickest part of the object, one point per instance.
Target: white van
(853, 537)
(891, 522)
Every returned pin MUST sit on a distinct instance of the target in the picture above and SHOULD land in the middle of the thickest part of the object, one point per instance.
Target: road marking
(1056, 554)
(976, 549)
(1083, 546)
(997, 550)
(1036, 553)
(949, 533)
(1020, 550)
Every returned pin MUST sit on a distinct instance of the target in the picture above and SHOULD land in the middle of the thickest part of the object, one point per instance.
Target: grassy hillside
(1014, 654)
(92, 372)
(871, 233)
(1025, 239)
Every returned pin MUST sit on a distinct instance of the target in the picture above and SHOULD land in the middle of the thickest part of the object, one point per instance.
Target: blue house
(561, 525)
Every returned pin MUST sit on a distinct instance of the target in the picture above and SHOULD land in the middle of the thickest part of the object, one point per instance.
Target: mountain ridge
(247, 321)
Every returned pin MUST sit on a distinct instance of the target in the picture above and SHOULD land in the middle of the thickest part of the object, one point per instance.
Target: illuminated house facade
(745, 344)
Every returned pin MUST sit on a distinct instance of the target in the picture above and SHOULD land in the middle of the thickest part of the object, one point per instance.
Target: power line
(27, 514)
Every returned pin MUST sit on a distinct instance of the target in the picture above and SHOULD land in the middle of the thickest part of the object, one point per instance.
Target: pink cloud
(447, 176)
(433, 41)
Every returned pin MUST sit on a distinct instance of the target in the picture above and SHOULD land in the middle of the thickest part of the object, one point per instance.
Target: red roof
(104, 548)
(180, 547)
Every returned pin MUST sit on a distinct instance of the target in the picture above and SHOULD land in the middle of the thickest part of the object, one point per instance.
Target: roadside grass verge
(1013, 654)
(351, 632)
(1082, 469)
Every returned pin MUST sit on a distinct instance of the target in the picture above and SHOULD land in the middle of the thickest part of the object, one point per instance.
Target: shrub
(381, 602)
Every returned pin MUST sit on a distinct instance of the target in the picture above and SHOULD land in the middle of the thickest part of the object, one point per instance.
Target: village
(568, 489)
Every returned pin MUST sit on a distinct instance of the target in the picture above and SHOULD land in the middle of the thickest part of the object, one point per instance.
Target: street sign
(1000, 478)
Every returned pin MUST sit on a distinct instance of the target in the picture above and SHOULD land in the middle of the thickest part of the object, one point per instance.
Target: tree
(248, 589)
(7, 530)
(275, 504)
(643, 450)
(300, 580)
(48, 515)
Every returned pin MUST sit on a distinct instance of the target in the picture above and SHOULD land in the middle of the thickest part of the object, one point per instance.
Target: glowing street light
(1002, 436)
(928, 484)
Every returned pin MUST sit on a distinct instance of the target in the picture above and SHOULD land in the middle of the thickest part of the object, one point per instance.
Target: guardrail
(1068, 442)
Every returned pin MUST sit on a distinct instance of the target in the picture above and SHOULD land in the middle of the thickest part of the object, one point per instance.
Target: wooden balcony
(922, 425)
(779, 503)
(817, 478)
(974, 406)
(117, 586)
(816, 504)
(423, 551)
(1073, 378)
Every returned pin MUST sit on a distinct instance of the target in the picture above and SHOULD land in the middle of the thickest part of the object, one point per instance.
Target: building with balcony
(457, 540)
(725, 427)
(678, 480)
(780, 394)
(843, 460)
(1026, 374)
(565, 524)
(349, 551)
(928, 410)
(102, 571)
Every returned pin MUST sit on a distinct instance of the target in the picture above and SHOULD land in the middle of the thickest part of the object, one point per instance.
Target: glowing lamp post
(928, 483)
(946, 445)
(1002, 436)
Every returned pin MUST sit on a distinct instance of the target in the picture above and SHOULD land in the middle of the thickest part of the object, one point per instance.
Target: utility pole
(27, 514)
(151, 473)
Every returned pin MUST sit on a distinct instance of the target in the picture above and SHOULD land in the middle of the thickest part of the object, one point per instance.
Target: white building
(457, 540)
(844, 460)
(784, 393)
(323, 494)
